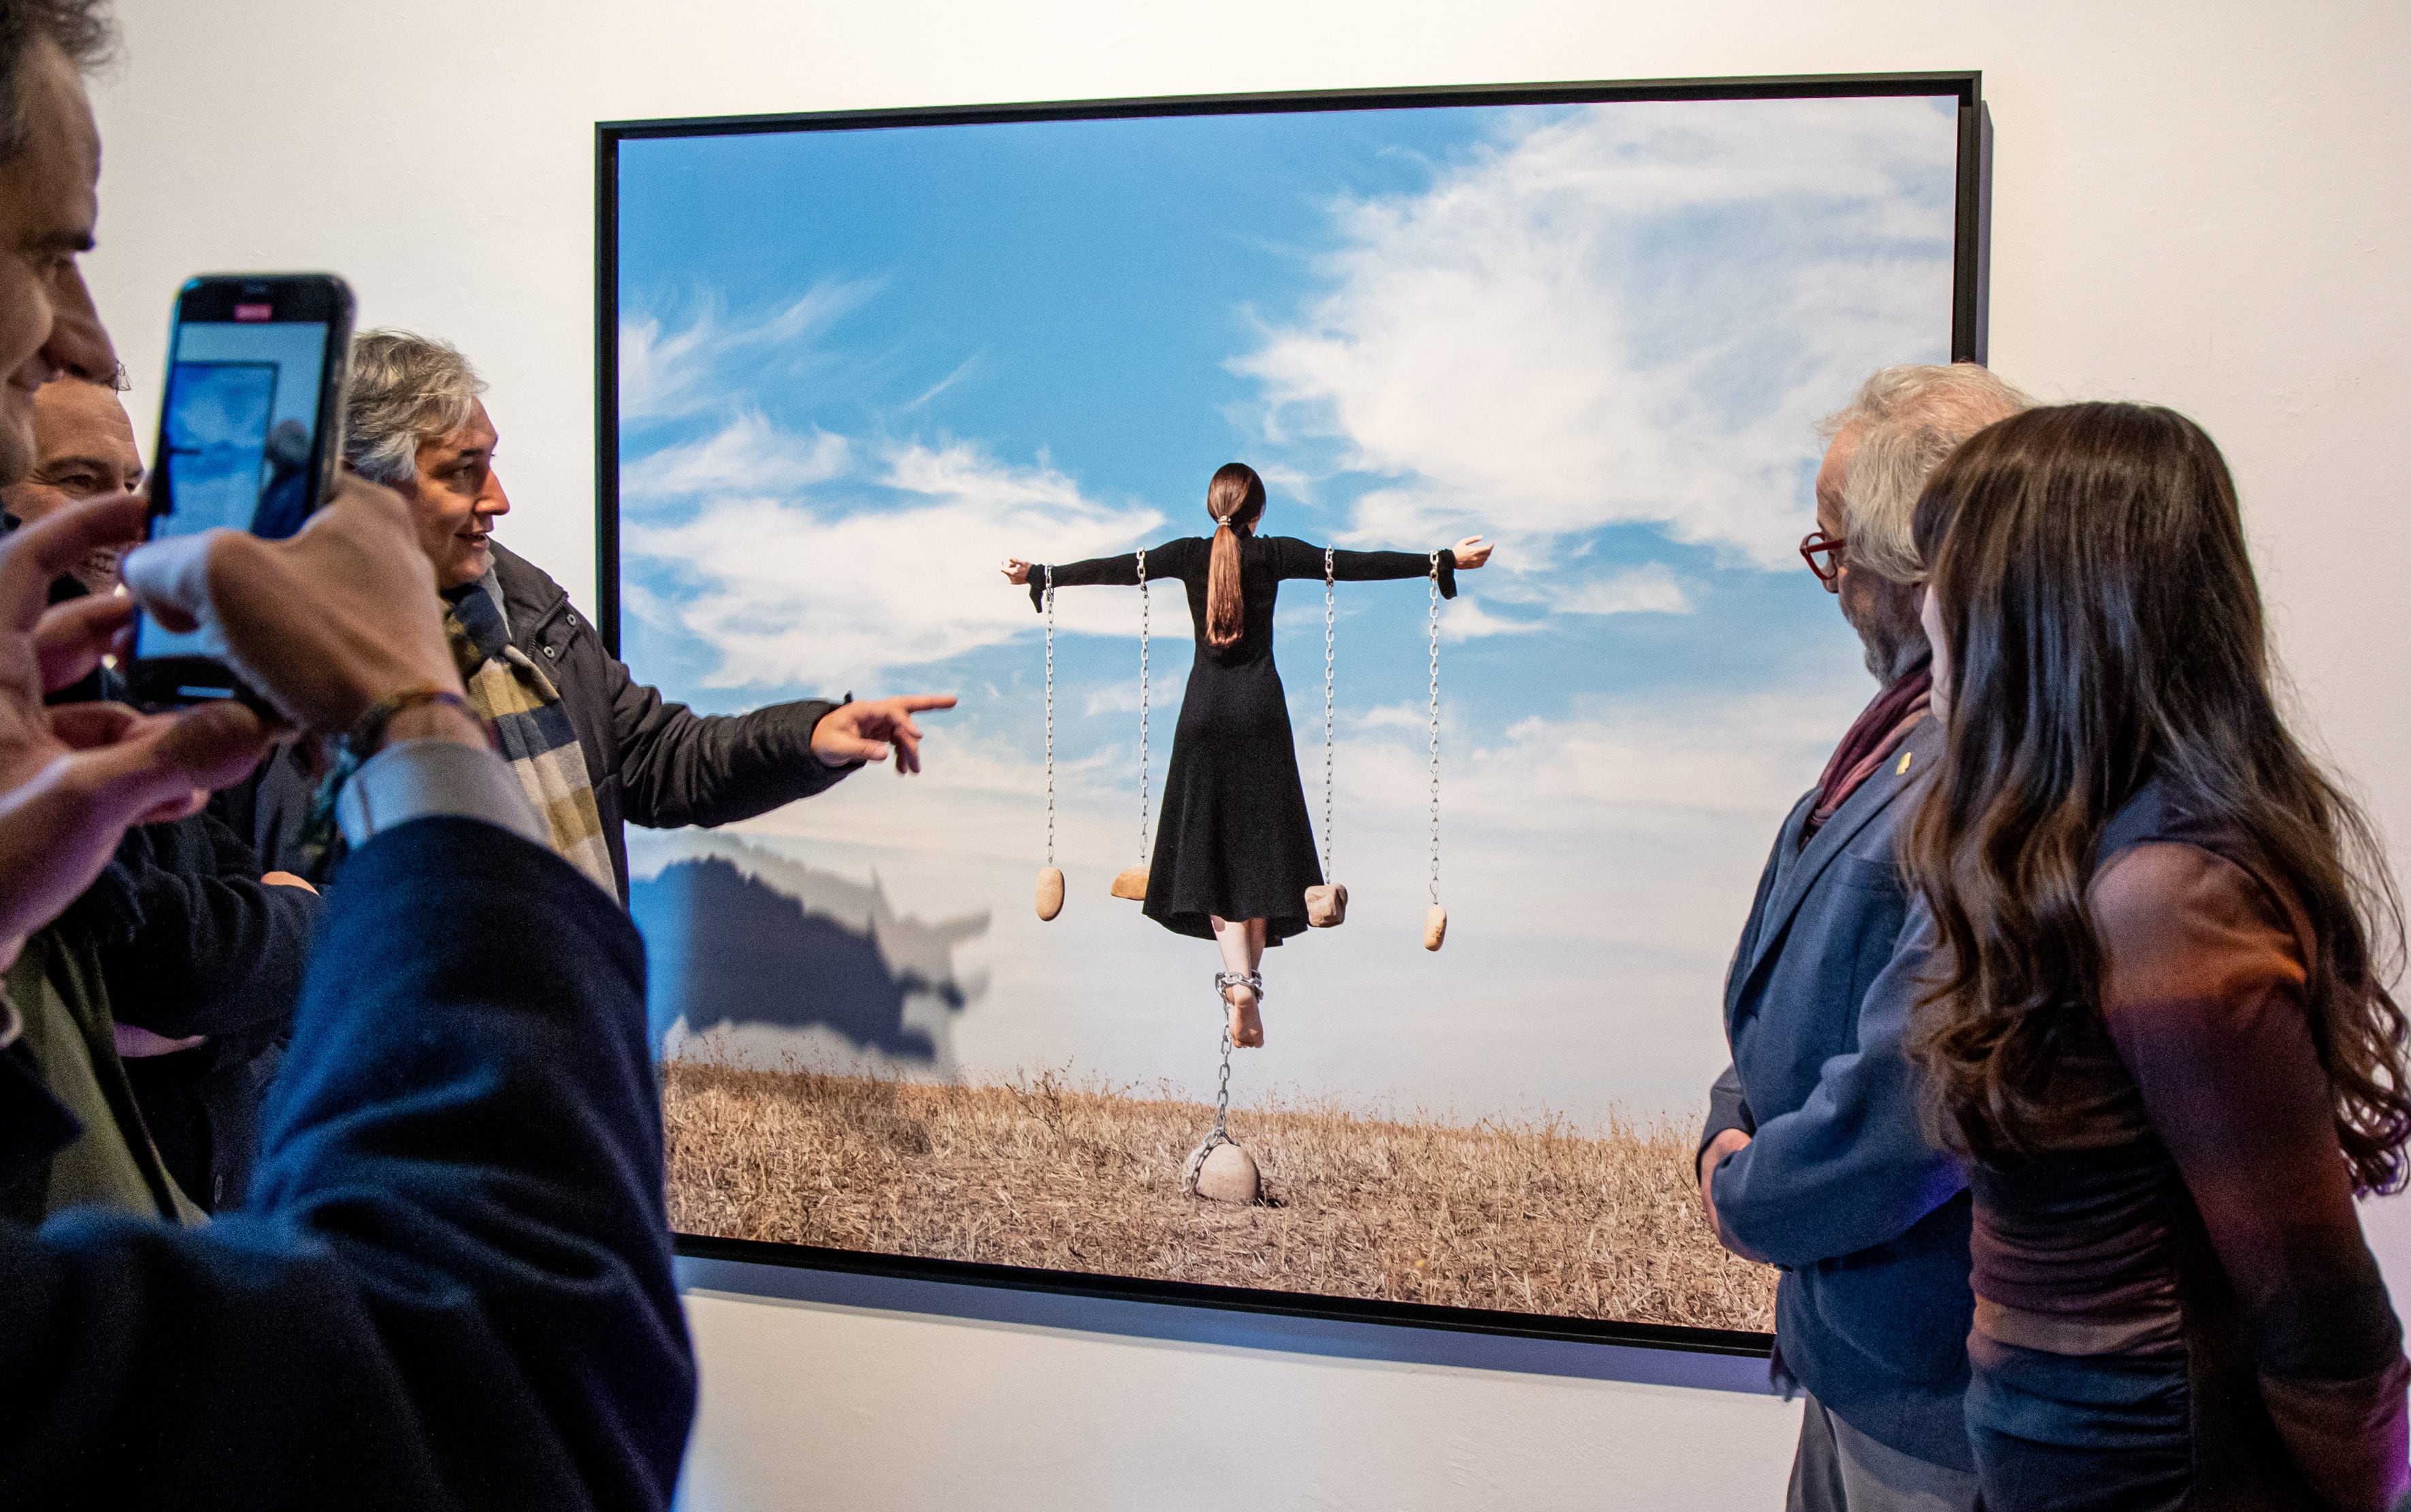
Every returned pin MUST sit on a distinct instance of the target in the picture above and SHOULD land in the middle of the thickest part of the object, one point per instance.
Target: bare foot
(1247, 1026)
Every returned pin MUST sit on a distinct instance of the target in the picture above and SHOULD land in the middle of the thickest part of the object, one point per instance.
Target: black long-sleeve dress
(1233, 840)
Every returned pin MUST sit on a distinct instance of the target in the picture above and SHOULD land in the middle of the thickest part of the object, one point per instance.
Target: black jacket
(652, 762)
(456, 1290)
(191, 941)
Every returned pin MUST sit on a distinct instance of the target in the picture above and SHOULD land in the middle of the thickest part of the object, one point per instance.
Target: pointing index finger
(915, 703)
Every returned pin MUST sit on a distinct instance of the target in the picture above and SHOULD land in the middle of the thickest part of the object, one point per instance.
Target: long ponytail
(1235, 497)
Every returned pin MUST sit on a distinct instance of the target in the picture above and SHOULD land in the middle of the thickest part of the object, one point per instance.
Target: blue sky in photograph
(860, 367)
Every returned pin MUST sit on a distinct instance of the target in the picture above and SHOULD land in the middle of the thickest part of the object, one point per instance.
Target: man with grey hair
(593, 747)
(1814, 1158)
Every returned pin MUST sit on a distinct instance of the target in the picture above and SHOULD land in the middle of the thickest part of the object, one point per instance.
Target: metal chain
(1435, 727)
(1142, 707)
(1222, 1093)
(1220, 1132)
(1050, 714)
(1329, 556)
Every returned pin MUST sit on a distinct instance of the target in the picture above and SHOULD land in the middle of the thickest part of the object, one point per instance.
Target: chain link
(1142, 707)
(1329, 556)
(1220, 1132)
(1222, 1093)
(1050, 714)
(1435, 727)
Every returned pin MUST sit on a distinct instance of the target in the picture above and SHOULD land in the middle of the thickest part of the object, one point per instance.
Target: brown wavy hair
(2103, 629)
(1236, 498)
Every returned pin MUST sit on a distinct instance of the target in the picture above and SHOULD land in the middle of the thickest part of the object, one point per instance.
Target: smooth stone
(1131, 884)
(1050, 893)
(1229, 1175)
(1435, 927)
(1327, 904)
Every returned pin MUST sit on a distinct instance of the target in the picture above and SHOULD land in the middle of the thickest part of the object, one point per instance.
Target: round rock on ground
(1229, 1175)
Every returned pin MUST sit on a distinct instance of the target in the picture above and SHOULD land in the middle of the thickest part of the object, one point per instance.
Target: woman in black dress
(1233, 851)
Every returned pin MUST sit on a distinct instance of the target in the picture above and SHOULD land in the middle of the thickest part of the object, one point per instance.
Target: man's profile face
(454, 499)
(1852, 593)
(84, 449)
(47, 209)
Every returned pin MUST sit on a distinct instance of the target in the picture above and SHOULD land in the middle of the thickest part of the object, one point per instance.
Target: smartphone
(250, 435)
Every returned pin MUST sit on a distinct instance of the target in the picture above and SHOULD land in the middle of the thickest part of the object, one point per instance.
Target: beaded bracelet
(367, 734)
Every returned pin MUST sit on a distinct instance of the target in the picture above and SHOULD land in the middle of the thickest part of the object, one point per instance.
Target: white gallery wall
(2200, 206)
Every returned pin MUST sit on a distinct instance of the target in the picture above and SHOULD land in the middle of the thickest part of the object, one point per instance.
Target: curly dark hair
(82, 29)
(2104, 629)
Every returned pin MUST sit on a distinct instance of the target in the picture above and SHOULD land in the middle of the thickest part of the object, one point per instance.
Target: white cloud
(1561, 334)
(1465, 619)
(1652, 588)
(791, 592)
(1603, 767)
(749, 454)
(665, 372)
(1295, 482)
(961, 372)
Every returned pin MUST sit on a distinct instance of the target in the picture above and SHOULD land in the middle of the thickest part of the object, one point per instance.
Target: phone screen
(238, 434)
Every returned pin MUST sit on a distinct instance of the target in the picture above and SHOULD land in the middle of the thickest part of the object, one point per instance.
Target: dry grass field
(1538, 1217)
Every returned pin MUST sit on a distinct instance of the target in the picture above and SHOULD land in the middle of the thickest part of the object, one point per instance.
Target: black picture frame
(1969, 314)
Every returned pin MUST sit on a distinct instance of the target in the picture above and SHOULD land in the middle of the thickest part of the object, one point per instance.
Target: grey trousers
(1839, 1469)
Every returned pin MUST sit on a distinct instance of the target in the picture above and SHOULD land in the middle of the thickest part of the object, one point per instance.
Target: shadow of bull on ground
(740, 939)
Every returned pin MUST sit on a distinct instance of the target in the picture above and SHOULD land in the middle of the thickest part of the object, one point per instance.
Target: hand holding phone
(323, 625)
(250, 437)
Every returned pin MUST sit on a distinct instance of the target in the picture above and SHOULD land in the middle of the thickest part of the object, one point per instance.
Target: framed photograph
(870, 381)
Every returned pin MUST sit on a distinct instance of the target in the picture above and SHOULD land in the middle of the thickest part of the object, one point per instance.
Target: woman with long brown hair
(1233, 851)
(2162, 1033)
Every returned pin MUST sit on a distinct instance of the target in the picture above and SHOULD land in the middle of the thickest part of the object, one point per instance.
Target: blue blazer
(1839, 1185)
(453, 1287)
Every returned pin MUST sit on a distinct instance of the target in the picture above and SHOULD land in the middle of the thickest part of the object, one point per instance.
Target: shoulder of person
(2171, 910)
(1180, 549)
(536, 601)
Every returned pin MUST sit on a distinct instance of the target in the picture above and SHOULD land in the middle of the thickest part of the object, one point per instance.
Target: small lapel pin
(1902, 770)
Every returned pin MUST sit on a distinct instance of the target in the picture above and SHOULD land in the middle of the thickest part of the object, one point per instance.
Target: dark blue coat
(453, 1288)
(1839, 1185)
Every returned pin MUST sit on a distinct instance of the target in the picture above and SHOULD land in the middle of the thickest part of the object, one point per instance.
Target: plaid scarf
(533, 731)
(1875, 734)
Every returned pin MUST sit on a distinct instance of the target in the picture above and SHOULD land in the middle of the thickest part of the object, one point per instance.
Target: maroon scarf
(1878, 732)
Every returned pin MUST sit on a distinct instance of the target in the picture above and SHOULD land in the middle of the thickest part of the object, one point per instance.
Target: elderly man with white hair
(591, 746)
(1814, 1156)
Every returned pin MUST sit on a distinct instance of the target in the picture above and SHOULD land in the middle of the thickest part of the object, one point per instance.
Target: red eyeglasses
(1823, 555)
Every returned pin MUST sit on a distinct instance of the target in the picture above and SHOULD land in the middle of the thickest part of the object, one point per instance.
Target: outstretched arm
(1166, 560)
(1300, 559)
